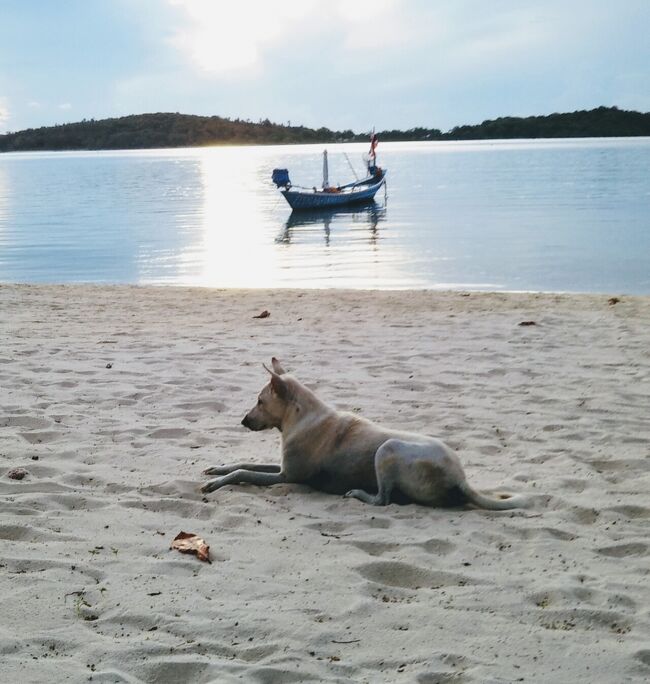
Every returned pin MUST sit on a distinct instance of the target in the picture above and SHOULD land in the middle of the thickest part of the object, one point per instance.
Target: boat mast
(326, 182)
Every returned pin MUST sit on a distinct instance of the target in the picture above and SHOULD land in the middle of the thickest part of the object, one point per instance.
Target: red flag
(374, 141)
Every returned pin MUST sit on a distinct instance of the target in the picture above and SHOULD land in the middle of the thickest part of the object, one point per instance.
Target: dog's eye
(259, 402)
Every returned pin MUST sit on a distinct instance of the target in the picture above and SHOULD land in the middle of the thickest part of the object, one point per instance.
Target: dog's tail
(504, 502)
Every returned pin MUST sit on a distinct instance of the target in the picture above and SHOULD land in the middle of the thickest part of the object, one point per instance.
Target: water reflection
(232, 251)
(5, 243)
(366, 216)
(4, 197)
(490, 216)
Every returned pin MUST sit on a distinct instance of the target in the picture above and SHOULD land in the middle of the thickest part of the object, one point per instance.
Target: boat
(364, 190)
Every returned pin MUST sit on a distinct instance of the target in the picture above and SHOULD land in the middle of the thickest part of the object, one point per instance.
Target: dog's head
(272, 402)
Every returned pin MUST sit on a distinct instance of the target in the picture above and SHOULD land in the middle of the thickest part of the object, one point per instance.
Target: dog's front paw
(215, 470)
(352, 494)
(210, 486)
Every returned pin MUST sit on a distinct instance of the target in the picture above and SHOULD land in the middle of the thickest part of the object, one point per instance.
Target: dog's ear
(277, 366)
(278, 385)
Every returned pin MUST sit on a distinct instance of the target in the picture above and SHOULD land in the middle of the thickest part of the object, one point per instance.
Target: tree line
(183, 130)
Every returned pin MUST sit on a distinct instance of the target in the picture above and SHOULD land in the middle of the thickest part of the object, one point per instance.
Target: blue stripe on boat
(310, 199)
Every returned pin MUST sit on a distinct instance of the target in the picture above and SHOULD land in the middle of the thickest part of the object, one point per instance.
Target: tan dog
(341, 453)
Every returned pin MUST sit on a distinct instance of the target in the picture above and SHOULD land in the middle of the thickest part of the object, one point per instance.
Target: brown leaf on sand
(528, 323)
(264, 314)
(613, 300)
(17, 473)
(186, 542)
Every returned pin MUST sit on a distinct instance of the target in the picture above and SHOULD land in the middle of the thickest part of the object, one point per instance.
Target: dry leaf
(17, 473)
(528, 323)
(186, 542)
(264, 314)
(613, 300)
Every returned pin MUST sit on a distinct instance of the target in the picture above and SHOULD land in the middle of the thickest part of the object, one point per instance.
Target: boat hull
(317, 199)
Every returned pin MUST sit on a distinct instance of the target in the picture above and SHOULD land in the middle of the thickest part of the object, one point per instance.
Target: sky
(344, 64)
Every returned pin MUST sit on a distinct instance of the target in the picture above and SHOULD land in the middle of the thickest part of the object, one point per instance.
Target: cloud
(229, 40)
(236, 40)
(65, 106)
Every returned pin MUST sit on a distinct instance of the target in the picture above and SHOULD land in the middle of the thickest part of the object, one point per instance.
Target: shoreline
(115, 397)
(219, 145)
(323, 290)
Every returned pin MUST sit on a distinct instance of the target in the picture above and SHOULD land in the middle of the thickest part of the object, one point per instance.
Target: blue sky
(341, 63)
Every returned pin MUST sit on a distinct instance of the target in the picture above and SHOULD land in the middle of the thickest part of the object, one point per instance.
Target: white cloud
(232, 40)
(65, 106)
(222, 40)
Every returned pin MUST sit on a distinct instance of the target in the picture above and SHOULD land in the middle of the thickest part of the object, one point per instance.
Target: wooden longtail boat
(362, 190)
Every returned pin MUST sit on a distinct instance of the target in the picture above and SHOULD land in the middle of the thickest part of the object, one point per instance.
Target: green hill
(183, 130)
(595, 123)
(161, 130)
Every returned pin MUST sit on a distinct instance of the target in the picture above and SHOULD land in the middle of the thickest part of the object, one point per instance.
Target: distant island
(183, 130)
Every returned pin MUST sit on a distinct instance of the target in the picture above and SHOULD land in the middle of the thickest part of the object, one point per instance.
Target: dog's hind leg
(380, 499)
(255, 467)
(386, 471)
(239, 476)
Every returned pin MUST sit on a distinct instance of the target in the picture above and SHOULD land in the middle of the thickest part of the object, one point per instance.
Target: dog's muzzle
(246, 423)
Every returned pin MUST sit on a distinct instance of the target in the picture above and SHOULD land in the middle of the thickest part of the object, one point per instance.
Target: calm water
(524, 215)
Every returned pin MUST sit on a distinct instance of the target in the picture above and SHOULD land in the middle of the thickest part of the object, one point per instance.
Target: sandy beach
(114, 399)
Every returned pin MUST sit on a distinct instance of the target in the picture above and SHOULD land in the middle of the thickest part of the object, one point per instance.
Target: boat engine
(281, 178)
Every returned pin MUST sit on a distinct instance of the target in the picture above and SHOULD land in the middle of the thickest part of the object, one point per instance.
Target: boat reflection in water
(366, 216)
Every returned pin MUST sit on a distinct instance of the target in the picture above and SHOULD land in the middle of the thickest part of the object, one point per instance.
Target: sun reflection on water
(249, 238)
(233, 250)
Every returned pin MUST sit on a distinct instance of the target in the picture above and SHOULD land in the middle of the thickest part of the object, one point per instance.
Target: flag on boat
(374, 141)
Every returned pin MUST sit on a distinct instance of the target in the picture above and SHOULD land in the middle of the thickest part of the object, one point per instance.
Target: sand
(113, 399)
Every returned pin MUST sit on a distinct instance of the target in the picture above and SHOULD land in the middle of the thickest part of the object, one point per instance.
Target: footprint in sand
(77, 570)
(187, 509)
(210, 405)
(408, 576)
(71, 502)
(328, 528)
(559, 596)
(643, 657)
(585, 619)
(169, 433)
(437, 547)
(26, 422)
(40, 437)
(532, 533)
(583, 516)
(27, 533)
(631, 511)
(442, 678)
(169, 670)
(376, 548)
(376, 522)
(623, 550)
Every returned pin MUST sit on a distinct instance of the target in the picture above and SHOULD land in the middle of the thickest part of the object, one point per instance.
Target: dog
(342, 453)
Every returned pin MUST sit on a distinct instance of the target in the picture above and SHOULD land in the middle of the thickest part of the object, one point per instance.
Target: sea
(525, 215)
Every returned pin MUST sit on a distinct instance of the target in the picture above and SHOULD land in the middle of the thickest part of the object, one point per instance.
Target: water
(567, 215)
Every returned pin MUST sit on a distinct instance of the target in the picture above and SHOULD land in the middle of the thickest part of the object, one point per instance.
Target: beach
(113, 399)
